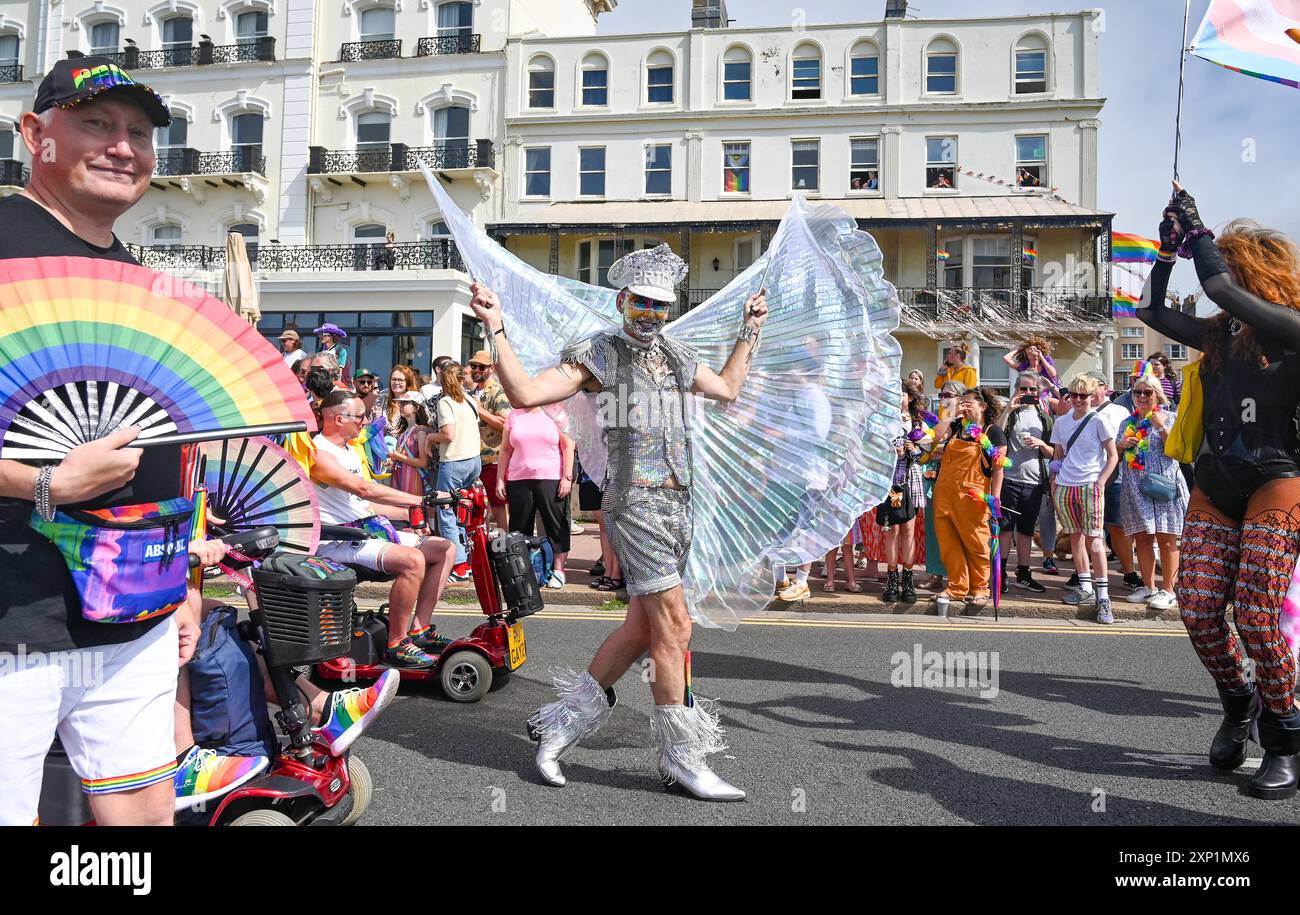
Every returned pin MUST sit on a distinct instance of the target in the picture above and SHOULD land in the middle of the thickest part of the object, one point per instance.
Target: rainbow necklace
(977, 434)
(1139, 427)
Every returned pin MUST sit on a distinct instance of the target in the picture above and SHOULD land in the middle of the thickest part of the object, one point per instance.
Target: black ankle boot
(908, 593)
(1228, 749)
(891, 589)
(1278, 771)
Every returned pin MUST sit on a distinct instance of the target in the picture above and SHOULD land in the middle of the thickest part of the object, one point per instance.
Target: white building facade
(300, 124)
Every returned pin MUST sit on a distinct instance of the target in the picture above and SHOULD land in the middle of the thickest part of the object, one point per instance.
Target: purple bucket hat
(330, 329)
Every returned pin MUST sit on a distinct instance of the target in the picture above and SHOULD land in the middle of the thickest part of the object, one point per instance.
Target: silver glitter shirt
(642, 407)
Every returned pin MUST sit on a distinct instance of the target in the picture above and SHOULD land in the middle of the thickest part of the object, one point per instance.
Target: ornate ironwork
(13, 73)
(433, 254)
(13, 173)
(344, 161)
(452, 154)
(449, 44)
(166, 57)
(372, 50)
(968, 305)
(236, 162)
(262, 48)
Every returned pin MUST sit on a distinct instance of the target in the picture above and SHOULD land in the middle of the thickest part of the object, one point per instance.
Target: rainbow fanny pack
(377, 526)
(129, 563)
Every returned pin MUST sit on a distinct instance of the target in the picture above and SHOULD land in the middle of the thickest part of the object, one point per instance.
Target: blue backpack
(227, 699)
(543, 557)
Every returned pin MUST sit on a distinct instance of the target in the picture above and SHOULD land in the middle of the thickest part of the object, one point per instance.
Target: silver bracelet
(42, 495)
(747, 334)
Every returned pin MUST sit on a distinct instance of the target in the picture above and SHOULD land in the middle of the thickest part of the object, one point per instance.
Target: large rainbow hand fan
(251, 483)
(89, 345)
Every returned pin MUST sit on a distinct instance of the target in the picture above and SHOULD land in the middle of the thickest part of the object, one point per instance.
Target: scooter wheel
(262, 818)
(361, 789)
(466, 676)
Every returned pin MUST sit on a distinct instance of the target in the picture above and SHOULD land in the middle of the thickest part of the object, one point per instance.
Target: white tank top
(338, 506)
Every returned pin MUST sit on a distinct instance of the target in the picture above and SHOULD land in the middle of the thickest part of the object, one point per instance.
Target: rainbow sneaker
(351, 711)
(203, 775)
(429, 640)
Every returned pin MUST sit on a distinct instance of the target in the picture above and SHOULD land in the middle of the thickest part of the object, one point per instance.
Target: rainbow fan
(89, 345)
(253, 482)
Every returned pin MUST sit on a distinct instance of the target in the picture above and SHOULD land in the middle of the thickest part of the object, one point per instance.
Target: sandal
(610, 584)
(853, 588)
(829, 586)
(596, 582)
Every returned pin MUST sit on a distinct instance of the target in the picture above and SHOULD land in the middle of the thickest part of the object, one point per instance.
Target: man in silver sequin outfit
(641, 379)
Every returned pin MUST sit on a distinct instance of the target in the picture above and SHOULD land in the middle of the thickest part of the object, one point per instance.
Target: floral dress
(1140, 513)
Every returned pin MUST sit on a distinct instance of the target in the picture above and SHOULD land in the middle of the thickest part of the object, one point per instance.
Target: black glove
(1183, 207)
(1171, 236)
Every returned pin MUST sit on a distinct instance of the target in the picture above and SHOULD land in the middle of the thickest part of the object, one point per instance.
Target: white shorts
(368, 553)
(112, 707)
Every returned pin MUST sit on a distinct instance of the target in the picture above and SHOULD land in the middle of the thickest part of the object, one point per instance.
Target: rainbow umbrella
(251, 483)
(89, 345)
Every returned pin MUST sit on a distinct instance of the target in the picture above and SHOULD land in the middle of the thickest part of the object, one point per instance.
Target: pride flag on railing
(1259, 38)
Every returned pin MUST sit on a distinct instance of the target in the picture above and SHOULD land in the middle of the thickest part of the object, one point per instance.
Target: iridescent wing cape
(783, 472)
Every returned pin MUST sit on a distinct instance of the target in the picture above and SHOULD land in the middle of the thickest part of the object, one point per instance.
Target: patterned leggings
(1250, 564)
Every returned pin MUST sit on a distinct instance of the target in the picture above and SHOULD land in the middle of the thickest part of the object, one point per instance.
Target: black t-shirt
(39, 604)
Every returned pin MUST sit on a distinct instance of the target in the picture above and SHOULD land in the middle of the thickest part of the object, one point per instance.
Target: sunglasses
(475, 367)
(1144, 393)
(350, 417)
(645, 304)
(1027, 390)
(1077, 395)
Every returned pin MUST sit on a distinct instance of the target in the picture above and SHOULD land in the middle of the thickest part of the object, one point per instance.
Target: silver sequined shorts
(651, 531)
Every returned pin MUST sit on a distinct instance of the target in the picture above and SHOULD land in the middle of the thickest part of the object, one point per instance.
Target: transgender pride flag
(1256, 37)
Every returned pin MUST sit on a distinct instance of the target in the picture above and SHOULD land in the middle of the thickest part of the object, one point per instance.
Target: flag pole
(1182, 63)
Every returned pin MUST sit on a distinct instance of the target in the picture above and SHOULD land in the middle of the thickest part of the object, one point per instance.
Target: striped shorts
(1079, 509)
(650, 528)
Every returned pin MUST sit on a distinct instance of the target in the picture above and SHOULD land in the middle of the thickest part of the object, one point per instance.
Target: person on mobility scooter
(420, 562)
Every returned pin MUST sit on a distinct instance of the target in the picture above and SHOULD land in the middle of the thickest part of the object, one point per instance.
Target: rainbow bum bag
(129, 563)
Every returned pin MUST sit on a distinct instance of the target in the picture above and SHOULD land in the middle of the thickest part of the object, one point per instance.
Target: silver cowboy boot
(686, 734)
(582, 706)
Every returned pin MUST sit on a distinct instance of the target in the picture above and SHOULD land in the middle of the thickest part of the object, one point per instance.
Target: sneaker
(1073, 583)
(796, 591)
(1141, 595)
(1049, 566)
(406, 656)
(431, 642)
(1025, 579)
(1163, 600)
(1133, 580)
(575, 527)
(1080, 598)
(1103, 612)
(461, 573)
(203, 775)
(782, 585)
(351, 711)
(556, 581)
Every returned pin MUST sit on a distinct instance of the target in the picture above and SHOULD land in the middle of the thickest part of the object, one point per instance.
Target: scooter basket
(304, 609)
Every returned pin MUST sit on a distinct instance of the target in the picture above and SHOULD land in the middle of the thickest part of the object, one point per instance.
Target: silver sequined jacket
(642, 407)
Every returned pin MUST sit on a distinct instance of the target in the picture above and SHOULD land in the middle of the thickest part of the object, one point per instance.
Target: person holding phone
(954, 368)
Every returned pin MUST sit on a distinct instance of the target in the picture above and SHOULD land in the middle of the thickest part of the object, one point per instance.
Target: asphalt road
(1082, 724)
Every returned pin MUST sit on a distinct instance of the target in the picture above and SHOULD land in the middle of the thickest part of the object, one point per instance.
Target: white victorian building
(300, 123)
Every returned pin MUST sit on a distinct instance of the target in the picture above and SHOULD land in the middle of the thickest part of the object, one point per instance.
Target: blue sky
(1224, 113)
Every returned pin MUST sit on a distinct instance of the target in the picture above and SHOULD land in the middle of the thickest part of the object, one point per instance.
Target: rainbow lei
(977, 433)
(1140, 427)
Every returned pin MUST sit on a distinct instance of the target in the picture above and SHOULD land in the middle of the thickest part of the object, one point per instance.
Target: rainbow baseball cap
(79, 79)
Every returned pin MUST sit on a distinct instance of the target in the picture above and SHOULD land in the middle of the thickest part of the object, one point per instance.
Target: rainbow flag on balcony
(1259, 38)
(941, 255)
(1123, 305)
(1031, 255)
(1132, 249)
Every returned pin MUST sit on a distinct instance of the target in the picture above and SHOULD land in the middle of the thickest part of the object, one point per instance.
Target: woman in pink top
(535, 478)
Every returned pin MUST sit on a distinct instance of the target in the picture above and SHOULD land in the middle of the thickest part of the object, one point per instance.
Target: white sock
(1085, 582)
(801, 576)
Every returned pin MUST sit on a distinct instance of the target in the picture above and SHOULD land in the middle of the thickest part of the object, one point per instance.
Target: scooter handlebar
(257, 540)
(442, 501)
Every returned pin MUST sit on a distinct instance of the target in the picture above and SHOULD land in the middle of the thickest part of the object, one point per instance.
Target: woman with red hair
(1241, 537)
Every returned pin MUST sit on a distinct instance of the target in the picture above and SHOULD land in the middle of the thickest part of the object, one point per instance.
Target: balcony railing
(448, 44)
(399, 157)
(205, 52)
(237, 161)
(974, 304)
(13, 173)
(11, 73)
(372, 50)
(434, 254)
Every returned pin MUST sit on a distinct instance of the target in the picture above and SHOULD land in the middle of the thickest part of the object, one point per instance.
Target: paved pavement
(1072, 723)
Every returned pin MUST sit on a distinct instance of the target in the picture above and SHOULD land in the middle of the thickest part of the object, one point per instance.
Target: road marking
(1009, 629)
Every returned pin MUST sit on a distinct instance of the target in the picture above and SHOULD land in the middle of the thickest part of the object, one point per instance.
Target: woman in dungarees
(1242, 533)
(973, 460)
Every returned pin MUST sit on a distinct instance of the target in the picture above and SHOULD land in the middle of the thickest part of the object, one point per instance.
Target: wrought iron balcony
(399, 157)
(975, 304)
(449, 44)
(13, 173)
(434, 254)
(205, 52)
(237, 161)
(11, 73)
(387, 49)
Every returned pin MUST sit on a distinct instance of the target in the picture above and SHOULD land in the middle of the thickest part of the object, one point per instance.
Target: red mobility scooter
(507, 591)
(300, 614)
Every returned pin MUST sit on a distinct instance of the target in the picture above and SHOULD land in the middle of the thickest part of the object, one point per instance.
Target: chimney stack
(708, 14)
(895, 9)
